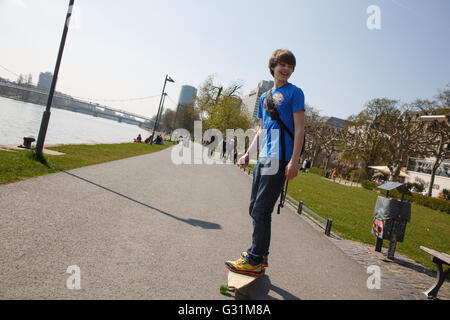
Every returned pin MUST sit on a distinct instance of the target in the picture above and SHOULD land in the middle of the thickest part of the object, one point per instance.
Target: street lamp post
(158, 125)
(159, 107)
(46, 115)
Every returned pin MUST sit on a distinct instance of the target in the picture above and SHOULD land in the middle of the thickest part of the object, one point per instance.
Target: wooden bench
(439, 258)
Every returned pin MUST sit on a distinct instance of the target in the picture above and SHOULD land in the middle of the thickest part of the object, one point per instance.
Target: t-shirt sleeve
(260, 107)
(298, 100)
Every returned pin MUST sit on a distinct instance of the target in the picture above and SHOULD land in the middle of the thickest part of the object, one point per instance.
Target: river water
(19, 119)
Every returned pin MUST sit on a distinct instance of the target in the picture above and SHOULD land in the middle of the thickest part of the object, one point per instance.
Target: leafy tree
(220, 107)
(167, 120)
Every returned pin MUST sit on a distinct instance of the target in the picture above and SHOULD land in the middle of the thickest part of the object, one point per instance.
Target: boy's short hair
(281, 55)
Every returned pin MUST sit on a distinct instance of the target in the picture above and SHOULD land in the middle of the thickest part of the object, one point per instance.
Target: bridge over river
(37, 95)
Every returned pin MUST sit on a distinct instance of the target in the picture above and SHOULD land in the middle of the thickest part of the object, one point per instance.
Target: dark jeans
(265, 191)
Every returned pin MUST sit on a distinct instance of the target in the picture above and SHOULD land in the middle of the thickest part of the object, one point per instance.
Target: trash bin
(27, 142)
(390, 219)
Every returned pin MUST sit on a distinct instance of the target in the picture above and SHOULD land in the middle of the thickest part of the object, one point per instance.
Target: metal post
(159, 107)
(160, 113)
(328, 227)
(300, 207)
(46, 115)
(393, 241)
(379, 245)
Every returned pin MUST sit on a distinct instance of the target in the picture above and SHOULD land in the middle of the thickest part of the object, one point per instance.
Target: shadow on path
(259, 290)
(413, 266)
(193, 222)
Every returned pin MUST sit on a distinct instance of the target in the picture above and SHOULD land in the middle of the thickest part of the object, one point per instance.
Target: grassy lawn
(351, 209)
(19, 165)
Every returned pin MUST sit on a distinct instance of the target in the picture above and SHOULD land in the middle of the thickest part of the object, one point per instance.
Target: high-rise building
(187, 95)
(251, 100)
(183, 118)
(45, 80)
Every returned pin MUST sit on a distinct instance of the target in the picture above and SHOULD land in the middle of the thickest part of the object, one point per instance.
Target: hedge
(433, 203)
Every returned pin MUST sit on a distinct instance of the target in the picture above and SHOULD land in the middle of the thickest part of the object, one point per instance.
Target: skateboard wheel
(223, 289)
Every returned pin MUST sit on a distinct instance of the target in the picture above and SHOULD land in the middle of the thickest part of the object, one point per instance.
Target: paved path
(144, 228)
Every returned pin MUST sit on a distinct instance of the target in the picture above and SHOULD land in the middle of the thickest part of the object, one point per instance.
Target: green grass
(352, 208)
(19, 165)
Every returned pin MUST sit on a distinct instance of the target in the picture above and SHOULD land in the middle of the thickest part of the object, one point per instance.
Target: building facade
(187, 95)
(419, 171)
(251, 100)
(45, 80)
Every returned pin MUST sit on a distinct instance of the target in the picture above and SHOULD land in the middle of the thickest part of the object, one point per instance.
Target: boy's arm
(299, 123)
(244, 160)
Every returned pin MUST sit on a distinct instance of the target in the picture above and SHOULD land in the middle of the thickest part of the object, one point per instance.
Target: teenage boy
(289, 101)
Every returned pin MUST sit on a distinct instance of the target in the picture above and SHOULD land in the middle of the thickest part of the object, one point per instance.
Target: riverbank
(16, 165)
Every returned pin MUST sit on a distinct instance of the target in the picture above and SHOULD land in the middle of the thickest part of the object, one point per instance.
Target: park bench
(439, 258)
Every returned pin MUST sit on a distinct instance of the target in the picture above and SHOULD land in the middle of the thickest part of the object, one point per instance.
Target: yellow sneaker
(265, 262)
(243, 267)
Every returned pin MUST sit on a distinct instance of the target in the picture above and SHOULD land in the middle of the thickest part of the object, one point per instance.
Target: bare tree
(362, 142)
(29, 80)
(399, 130)
(436, 132)
(313, 145)
(21, 79)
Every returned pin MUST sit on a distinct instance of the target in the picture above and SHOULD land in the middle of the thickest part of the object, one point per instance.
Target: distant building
(187, 95)
(419, 171)
(251, 100)
(183, 118)
(335, 122)
(45, 80)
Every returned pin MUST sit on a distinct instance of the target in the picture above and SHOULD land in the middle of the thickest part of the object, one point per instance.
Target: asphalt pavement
(146, 228)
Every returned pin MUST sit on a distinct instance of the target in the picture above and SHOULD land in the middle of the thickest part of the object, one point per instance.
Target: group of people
(158, 140)
(228, 148)
(306, 165)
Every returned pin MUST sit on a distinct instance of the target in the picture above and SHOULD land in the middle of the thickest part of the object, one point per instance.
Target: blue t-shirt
(288, 99)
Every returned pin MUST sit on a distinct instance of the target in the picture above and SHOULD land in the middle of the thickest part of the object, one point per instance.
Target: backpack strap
(274, 115)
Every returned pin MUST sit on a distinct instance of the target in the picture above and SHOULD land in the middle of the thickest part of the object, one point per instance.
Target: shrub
(418, 186)
(369, 185)
(358, 173)
(446, 194)
(433, 203)
(318, 171)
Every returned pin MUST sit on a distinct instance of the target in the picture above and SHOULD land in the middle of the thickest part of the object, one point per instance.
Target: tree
(167, 120)
(29, 80)
(436, 132)
(206, 97)
(185, 116)
(397, 127)
(437, 146)
(313, 141)
(21, 79)
(228, 114)
(332, 138)
(361, 141)
(220, 108)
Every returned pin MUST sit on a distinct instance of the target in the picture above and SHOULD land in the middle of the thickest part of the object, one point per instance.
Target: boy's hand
(243, 161)
(291, 170)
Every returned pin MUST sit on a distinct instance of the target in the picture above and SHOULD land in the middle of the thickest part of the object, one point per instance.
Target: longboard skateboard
(237, 281)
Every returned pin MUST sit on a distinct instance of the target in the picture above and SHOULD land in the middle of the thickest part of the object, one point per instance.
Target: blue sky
(123, 49)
